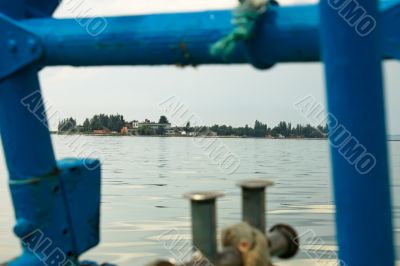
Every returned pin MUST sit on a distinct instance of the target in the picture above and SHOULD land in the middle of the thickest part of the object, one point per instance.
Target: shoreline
(176, 136)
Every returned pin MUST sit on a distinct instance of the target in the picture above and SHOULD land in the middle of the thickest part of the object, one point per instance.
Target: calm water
(144, 179)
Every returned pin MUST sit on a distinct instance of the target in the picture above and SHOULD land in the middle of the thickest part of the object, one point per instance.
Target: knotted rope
(244, 19)
(250, 241)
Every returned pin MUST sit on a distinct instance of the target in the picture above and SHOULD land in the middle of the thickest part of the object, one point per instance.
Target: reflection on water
(144, 179)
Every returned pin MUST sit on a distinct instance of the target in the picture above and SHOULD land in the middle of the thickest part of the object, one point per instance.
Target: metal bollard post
(253, 202)
(204, 222)
(283, 241)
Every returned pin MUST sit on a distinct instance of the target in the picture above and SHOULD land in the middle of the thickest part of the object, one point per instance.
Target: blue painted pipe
(29, 156)
(25, 136)
(351, 52)
(283, 34)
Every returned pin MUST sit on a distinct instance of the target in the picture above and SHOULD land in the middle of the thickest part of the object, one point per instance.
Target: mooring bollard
(253, 202)
(204, 221)
(282, 239)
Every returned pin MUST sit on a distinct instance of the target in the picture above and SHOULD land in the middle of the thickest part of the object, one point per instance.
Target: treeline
(102, 121)
(97, 122)
(283, 129)
(115, 123)
(68, 124)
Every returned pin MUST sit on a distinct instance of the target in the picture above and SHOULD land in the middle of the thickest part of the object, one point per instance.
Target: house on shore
(102, 131)
(133, 126)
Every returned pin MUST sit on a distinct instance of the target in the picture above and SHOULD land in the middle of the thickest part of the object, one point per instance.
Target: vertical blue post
(26, 143)
(350, 49)
(25, 136)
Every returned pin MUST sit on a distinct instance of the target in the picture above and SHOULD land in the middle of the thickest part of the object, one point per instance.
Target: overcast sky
(234, 95)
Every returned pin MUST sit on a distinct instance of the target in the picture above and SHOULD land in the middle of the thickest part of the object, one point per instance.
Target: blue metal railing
(30, 39)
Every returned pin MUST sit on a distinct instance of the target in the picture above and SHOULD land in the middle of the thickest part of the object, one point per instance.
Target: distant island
(116, 125)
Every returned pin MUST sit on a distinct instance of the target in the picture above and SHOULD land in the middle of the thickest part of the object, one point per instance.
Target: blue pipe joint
(58, 215)
(255, 49)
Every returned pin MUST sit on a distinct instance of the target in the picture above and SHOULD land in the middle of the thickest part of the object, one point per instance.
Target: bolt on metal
(253, 202)
(12, 45)
(33, 45)
(204, 221)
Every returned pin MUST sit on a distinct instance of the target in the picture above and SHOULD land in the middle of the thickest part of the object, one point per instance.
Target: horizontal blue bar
(285, 34)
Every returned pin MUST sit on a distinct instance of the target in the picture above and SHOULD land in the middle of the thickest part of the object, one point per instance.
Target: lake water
(144, 179)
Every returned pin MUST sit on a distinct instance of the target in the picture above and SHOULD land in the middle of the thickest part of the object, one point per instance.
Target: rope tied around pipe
(251, 243)
(244, 19)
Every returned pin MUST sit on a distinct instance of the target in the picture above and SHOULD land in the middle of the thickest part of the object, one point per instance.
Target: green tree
(260, 129)
(67, 125)
(146, 131)
(163, 120)
(116, 122)
(283, 129)
(187, 127)
(86, 126)
(161, 130)
(95, 123)
(249, 132)
(102, 121)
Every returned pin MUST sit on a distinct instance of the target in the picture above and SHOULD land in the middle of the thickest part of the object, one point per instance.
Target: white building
(134, 125)
(153, 125)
